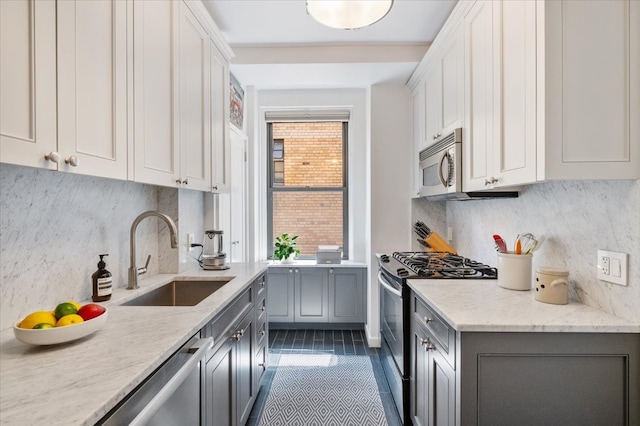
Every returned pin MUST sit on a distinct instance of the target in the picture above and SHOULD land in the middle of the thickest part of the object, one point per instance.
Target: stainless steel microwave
(441, 167)
(441, 172)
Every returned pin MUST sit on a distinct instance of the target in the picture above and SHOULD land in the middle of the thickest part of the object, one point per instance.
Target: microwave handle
(445, 157)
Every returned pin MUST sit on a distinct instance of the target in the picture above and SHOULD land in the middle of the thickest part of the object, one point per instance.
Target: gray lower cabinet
(316, 295)
(532, 378)
(432, 381)
(232, 370)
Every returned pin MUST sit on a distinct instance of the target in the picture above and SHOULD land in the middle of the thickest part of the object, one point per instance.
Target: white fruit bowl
(53, 336)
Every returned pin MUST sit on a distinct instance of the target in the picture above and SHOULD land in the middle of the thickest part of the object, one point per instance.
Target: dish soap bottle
(101, 282)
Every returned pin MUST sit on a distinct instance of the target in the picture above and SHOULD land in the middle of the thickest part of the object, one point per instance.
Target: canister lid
(550, 270)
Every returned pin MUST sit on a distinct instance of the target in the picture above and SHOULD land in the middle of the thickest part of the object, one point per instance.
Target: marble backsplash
(53, 225)
(575, 217)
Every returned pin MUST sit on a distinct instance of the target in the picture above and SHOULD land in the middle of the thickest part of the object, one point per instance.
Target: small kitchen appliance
(395, 309)
(213, 257)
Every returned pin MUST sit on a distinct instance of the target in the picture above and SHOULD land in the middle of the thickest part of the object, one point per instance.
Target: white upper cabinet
(499, 138)
(92, 87)
(220, 121)
(28, 82)
(155, 86)
(444, 84)
(478, 131)
(195, 93)
(588, 90)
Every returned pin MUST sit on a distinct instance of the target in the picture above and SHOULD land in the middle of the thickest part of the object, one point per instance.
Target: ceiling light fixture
(348, 14)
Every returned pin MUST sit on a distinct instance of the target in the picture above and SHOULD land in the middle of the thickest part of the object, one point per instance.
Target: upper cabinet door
(478, 96)
(452, 75)
(156, 92)
(433, 102)
(220, 120)
(514, 96)
(92, 87)
(27, 82)
(195, 117)
(589, 61)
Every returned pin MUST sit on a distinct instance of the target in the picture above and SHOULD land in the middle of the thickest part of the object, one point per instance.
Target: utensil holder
(514, 271)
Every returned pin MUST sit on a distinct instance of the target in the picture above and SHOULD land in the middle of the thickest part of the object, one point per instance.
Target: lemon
(43, 325)
(69, 320)
(64, 309)
(36, 318)
(76, 304)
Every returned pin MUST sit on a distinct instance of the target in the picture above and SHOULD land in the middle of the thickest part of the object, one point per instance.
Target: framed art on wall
(237, 102)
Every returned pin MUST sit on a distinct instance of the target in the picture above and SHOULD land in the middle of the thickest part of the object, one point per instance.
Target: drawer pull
(428, 346)
(263, 365)
(262, 332)
(262, 309)
(427, 320)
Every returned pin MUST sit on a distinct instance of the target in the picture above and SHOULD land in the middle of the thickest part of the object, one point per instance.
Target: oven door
(391, 319)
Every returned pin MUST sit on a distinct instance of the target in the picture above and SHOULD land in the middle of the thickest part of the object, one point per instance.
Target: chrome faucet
(133, 270)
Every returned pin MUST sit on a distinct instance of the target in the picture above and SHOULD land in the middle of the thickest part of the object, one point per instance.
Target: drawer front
(221, 326)
(261, 286)
(443, 334)
(262, 333)
(261, 310)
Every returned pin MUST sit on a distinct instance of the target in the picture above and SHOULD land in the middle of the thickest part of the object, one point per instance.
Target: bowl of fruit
(68, 321)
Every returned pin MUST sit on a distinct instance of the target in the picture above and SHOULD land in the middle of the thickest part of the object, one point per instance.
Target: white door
(238, 196)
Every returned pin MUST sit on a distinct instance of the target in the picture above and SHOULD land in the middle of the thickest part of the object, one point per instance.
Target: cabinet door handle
(72, 161)
(262, 309)
(263, 365)
(428, 346)
(186, 181)
(427, 320)
(179, 181)
(52, 156)
(262, 332)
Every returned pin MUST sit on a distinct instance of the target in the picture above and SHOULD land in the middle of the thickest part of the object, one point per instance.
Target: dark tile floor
(338, 342)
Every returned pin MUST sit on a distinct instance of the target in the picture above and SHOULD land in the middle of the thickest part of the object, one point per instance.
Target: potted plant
(286, 248)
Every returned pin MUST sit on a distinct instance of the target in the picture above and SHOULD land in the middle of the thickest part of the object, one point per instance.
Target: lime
(43, 325)
(76, 304)
(36, 318)
(69, 320)
(65, 308)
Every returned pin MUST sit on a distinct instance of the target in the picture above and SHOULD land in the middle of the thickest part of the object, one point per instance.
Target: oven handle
(200, 348)
(387, 286)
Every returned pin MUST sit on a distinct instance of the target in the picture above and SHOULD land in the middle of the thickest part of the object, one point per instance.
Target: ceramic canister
(552, 285)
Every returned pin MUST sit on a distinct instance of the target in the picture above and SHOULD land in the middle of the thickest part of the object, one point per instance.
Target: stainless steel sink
(178, 293)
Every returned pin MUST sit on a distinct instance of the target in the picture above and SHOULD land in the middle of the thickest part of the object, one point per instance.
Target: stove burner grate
(444, 265)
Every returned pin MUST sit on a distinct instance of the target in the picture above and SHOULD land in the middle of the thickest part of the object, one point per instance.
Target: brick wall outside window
(312, 157)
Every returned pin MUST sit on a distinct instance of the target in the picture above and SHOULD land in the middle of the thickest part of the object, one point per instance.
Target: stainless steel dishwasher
(171, 395)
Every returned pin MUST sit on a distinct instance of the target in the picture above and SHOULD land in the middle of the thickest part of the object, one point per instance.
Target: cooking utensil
(527, 243)
(501, 246)
(432, 239)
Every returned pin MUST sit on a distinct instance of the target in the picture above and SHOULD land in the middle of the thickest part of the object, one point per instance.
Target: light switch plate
(612, 267)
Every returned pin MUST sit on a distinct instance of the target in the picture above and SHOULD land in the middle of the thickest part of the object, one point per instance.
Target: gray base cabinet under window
(232, 370)
(317, 295)
(532, 378)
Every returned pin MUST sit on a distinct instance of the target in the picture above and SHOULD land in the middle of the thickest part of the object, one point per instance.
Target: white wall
(575, 217)
(53, 225)
(389, 186)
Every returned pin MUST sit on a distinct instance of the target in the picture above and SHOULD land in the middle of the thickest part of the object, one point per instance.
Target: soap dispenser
(101, 282)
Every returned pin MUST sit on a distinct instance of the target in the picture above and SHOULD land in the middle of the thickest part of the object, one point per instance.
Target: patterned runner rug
(323, 390)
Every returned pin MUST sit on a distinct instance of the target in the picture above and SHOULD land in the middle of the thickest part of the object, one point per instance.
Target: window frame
(344, 189)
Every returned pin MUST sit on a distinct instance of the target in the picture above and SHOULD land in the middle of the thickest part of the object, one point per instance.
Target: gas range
(434, 265)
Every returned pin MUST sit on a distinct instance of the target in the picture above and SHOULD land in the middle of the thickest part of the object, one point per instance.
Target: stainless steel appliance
(441, 171)
(394, 271)
(172, 395)
(213, 257)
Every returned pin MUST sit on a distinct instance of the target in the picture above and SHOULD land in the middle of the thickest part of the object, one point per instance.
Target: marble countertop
(77, 383)
(305, 263)
(483, 306)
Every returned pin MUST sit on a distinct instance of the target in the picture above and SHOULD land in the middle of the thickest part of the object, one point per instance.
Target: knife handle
(437, 243)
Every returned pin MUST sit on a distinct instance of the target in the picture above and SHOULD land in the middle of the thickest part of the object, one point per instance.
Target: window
(307, 184)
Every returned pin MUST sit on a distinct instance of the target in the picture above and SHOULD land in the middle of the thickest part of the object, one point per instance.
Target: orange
(69, 320)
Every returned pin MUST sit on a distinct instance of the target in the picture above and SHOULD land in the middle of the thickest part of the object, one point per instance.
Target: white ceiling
(278, 45)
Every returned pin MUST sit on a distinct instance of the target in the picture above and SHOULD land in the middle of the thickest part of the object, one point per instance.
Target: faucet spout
(173, 236)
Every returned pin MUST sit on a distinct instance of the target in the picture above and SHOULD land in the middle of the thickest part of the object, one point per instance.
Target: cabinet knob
(486, 182)
(494, 179)
(179, 181)
(427, 320)
(262, 332)
(214, 188)
(290, 271)
(297, 270)
(52, 156)
(72, 161)
(428, 346)
(263, 365)
(331, 270)
(186, 181)
(262, 309)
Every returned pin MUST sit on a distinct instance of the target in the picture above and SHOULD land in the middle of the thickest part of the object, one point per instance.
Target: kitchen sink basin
(178, 293)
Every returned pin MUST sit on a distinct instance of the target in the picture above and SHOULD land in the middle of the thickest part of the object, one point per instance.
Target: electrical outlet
(612, 267)
(190, 240)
